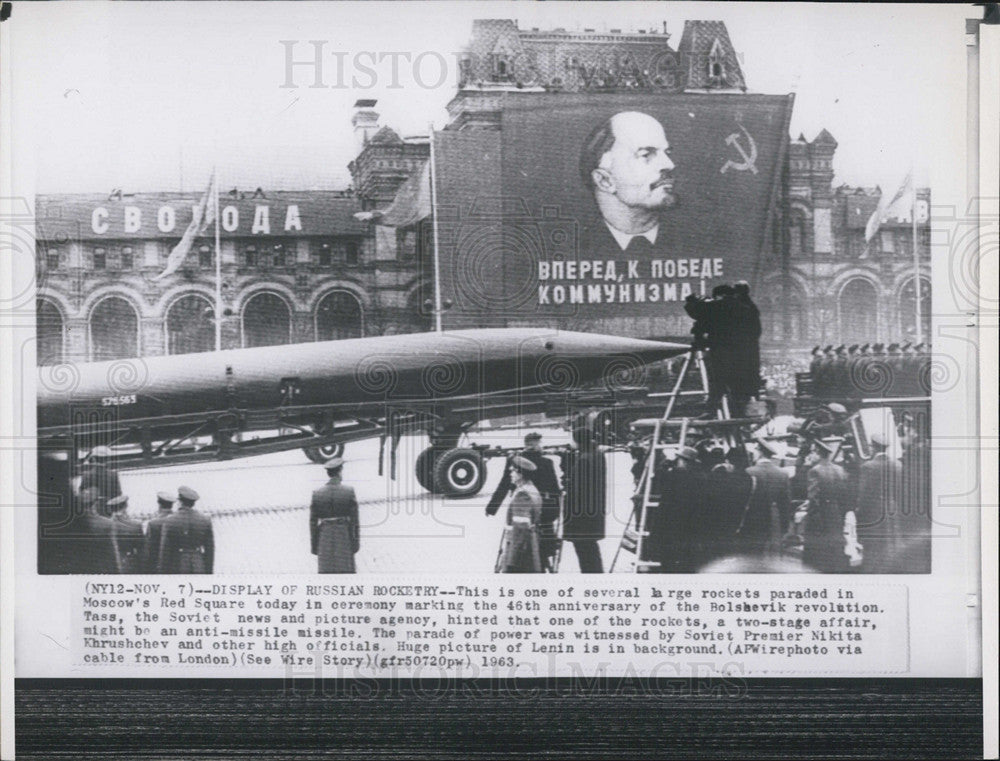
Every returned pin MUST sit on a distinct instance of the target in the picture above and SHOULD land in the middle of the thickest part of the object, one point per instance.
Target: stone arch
(114, 289)
(857, 310)
(247, 292)
(355, 289)
(189, 324)
(50, 331)
(265, 319)
(171, 295)
(113, 328)
(339, 314)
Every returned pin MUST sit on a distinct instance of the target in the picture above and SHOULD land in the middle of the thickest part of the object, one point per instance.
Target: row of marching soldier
(871, 370)
(100, 537)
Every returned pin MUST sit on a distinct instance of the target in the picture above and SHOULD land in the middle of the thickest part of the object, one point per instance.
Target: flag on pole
(412, 202)
(901, 205)
(204, 214)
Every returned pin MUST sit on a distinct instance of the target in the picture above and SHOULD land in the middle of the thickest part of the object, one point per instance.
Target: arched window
(190, 325)
(338, 315)
(114, 330)
(50, 330)
(908, 310)
(267, 321)
(858, 309)
(798, 237)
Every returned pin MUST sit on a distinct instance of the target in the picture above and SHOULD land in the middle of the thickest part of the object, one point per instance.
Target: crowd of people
(97, 535)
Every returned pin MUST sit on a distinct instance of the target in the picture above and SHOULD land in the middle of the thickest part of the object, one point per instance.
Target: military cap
(101, 452)
(879, 439)
(877, 348)
(334, 464)
(836, 408)
(852, 348)
(893, 348)
(118, 501)
(532, 436)
(523, 464)
(816, 350)
(688, 453)
(165, 496)
(188, 494)
(840, 349)
(828, 348)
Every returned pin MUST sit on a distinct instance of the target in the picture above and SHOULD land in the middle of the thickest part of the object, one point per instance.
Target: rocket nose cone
(587, 357)
(597, 345)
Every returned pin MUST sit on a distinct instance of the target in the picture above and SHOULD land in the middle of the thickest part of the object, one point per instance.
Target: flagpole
(218, 267)
(916, 269)
(434, 227)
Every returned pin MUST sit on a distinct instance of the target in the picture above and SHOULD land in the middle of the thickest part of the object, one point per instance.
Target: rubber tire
(424, 468)
(322, 455)
(454, 463)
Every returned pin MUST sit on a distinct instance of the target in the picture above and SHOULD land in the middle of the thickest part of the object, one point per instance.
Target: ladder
(643, 499)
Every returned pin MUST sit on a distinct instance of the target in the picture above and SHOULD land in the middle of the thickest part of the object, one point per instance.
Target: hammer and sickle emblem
(749, 161)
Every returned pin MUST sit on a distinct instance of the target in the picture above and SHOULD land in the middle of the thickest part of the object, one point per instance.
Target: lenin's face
(638, 166)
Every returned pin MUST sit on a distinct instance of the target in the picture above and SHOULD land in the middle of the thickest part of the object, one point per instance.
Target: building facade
(319, 265)
(295, 266)
(840, 288)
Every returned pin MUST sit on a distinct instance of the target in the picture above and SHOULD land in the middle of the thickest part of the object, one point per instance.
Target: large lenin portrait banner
(602, 212)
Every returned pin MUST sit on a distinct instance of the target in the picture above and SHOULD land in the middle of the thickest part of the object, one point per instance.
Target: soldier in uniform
(97, 474)
(823, 537)
(881, 526)
(543, 476)
(83, 544)
(126, 537)
(584, 506)
(154, 531)
(187, 544)
(520, 550)
(334, 523)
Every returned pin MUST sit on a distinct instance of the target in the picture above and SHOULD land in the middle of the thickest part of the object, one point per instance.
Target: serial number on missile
(115, 401)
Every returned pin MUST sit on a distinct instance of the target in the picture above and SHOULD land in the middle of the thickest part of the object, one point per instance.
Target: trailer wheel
(322, 455)
(459, 473)
(424, 468)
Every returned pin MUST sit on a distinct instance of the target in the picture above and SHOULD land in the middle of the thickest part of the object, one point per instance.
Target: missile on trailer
(355, 374)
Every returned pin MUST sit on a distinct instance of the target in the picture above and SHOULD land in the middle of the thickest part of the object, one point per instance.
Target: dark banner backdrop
(522, 240)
